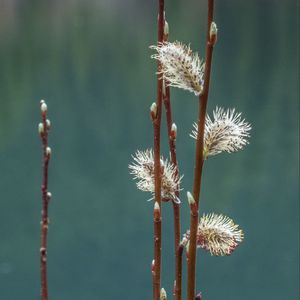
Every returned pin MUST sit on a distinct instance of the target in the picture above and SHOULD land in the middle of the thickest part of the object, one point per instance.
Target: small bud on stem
(44, 107)
(153, 267)
(166, 31)
(156, 211)
(41, 128)
(213, 33)
(48, 151)
(163, 294)
(173, 132)
(153, 111)
(190, 198)
(49, 195)
(48, 123)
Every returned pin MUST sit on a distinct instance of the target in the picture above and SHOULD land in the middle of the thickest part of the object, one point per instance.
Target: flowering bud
(49, 195)
(142, 169)
(226, 132)
(163, 294)
(180, 67)
(213, 33)
(153, 110)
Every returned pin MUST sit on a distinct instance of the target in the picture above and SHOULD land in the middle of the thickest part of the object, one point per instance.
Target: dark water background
(90, 61)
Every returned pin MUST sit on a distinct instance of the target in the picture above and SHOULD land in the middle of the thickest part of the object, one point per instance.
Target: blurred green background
(90, 61)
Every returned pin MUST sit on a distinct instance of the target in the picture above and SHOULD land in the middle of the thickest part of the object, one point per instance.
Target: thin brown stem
(178, 283)
(43, 129)
(199, 160)
(157, 249)
(157, 168)
(176, 206)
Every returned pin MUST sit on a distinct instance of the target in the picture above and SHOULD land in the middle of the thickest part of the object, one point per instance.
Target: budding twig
(157, 168)
(157, 250)
(43, 128)
(172, 134)
(199, 160)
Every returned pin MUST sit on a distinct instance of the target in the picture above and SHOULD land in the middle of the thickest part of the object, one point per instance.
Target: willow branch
(172, 132)
(44, 127)
(199, 159)
(157, 168)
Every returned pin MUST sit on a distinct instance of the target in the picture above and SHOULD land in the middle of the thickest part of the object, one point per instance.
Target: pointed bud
(213, 33)
(163, 294)
(166, 31)
(153, 111)
(156, 211)
(153, 267)
(41, 128)
(174, 131)
(43, 106)
(48, 151)
(199, 296)
(190, 198)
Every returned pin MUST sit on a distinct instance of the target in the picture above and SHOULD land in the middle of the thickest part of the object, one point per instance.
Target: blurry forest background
(90, 61)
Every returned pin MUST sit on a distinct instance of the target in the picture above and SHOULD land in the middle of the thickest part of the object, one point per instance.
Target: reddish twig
(157, 168)
(44, 127)
(172, 133)
(199, 160)
(157, 250)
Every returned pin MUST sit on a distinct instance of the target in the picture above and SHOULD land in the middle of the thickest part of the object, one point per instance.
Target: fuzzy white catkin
(227, 132)
(142, 170)
(180, 67)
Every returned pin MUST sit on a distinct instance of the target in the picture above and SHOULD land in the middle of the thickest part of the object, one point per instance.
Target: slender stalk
(43, 129)
(157, 249)
(176, 206)
(157, 168)
(178, 283)
(199, 160)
